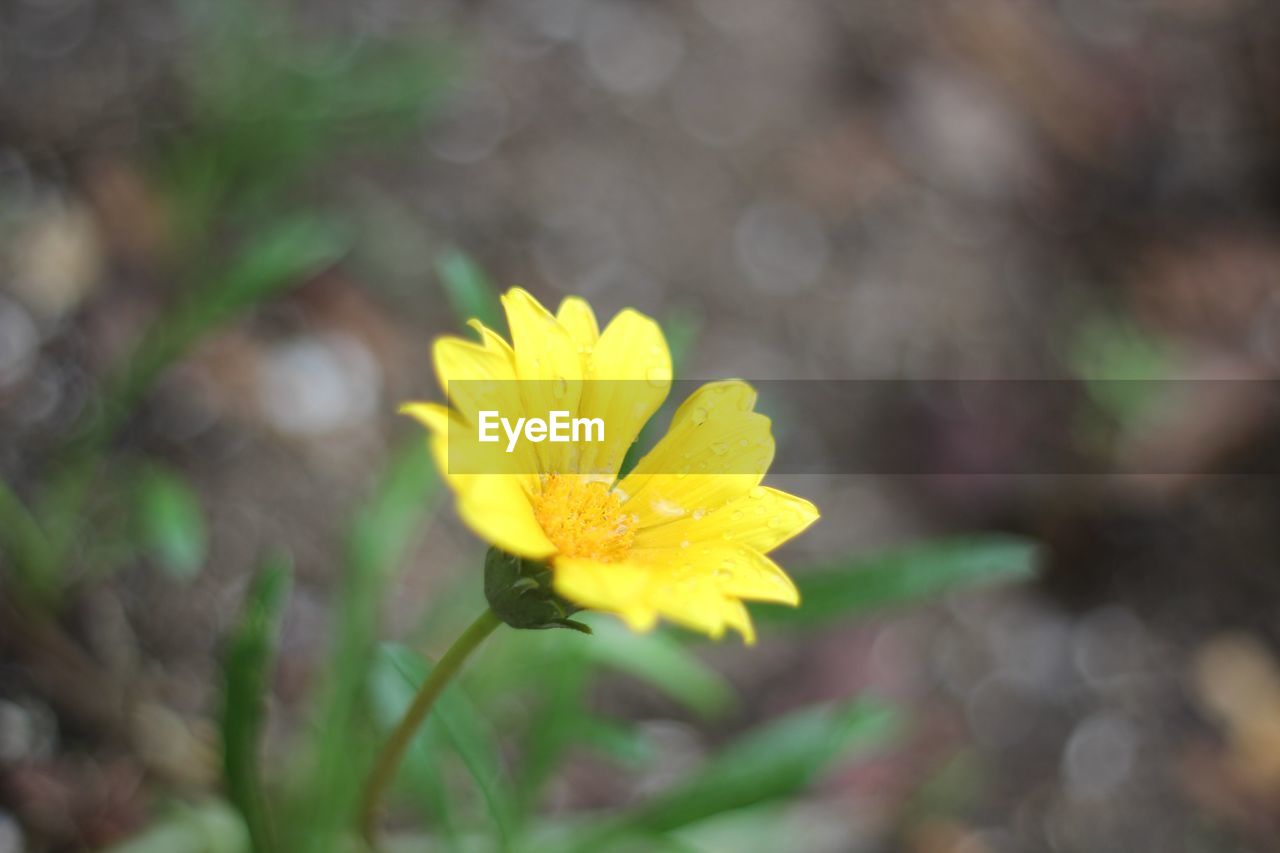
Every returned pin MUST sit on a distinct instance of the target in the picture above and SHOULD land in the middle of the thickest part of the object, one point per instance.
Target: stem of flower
(384, 770)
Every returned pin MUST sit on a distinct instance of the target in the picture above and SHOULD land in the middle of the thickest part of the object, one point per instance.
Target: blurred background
(229, 231)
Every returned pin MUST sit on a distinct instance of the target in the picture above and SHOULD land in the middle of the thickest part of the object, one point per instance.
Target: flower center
(582, 518)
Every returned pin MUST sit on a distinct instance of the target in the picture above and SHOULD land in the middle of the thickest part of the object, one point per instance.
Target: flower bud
(520, 594)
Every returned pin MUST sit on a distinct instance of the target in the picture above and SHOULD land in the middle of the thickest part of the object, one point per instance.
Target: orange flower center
(582, 518)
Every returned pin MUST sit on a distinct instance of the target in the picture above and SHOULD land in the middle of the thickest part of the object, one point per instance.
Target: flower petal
(734, 570)
(630, 375)
(699, 590)
(550, 368)
(495, 506)
(614, 587)
(580, 322)
(761, 519)
(716, 450)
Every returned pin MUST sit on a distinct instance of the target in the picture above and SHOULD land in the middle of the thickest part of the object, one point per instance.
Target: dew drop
(671, 509)
(699, 416)
(757, 492)
(684, 543)
(776, 521)
(719, 448)
(657, 376)
(737, 515)
(742, 442)
(699, 513)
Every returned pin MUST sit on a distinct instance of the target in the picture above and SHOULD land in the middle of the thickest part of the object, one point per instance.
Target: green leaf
(558, 721)
(470, 293)
(621, 741)
(917, 572)
(172, 523)
(385, 527)
(778, 760)
(26, 551)
(662, 661)
(341, 749)
(294, 249)
(397, 675)
(246, 675)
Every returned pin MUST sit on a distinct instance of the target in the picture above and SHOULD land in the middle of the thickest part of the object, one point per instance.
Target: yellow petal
(733, 570)
(613, 587)
(716, 450)
(550, 368)
(737, 617)
(495, 506)
(492, 340)
(762, 519)
(580, 321)
(630, 375)
(477, 378)
(691, 590)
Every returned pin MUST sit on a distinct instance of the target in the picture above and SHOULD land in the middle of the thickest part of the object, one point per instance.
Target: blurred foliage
(266, 110)
(856, 586)
(1121, 367)
(247, 670)
(172, 523)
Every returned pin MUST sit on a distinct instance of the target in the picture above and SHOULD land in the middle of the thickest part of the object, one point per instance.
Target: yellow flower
(682, 536)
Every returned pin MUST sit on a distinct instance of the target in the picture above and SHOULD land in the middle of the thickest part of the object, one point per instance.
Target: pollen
(583, 518)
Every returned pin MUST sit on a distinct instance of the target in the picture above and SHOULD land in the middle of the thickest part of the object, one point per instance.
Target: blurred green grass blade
(662, 661)
(172, 523)
(210, 827)
(278, 258)
(398, 673)
(246, 677)
(407, 495)
(913, 573)
(422, 772)
(778, 760)
(623, 742)
(557, 723)
(470, 293)
(28, 557)
(341, 750)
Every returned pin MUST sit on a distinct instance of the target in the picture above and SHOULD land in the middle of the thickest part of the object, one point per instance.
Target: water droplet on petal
(698, 416)
(742, 442)
(699, 513)
(657, 376)
(757, 492)
(776, 521)
(684, 543)
(719, 448)
(737, 515)
(671, 509)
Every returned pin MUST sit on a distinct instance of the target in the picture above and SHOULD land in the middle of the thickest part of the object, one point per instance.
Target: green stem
(384, 770)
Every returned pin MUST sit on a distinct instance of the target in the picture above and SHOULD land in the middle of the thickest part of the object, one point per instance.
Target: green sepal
(520, 594)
